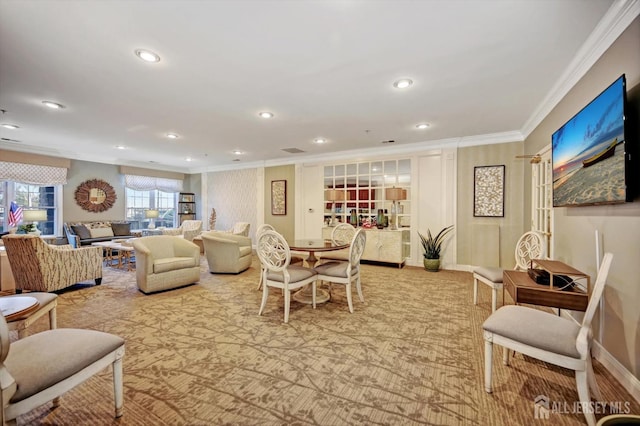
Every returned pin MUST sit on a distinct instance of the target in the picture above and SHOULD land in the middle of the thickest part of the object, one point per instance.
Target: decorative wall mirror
(95, 195)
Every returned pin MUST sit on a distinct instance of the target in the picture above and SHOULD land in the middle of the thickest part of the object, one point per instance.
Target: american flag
(15, 214)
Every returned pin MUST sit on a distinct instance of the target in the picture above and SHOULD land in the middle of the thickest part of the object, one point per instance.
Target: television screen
(588, 152)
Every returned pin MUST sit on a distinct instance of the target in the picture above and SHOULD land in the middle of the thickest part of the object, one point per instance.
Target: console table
(523, 289)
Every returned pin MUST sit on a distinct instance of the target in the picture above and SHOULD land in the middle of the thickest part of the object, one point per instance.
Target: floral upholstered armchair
(188, 229)
(38, 266)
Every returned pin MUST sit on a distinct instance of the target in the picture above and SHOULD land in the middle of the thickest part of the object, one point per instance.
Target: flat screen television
(589, 153)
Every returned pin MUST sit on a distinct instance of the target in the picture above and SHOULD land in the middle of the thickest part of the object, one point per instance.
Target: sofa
(164, 262)
(85, 233)
(38, 266)
(226, 253)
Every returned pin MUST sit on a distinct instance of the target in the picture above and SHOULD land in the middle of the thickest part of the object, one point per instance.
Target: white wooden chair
(531, 245)
(340, 234)
(277, 271)
(261, 229)
(549, 338)
(338, 272)
(43, 366)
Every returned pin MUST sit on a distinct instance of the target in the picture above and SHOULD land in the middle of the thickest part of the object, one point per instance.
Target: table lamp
(333, 195)
(395, 194)
(33, 217)
(151, 214)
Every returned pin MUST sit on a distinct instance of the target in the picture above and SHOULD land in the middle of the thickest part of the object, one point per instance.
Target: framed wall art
(278, 197)
(488, 191)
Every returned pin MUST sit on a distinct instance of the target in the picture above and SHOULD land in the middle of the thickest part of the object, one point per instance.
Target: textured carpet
(200, 355)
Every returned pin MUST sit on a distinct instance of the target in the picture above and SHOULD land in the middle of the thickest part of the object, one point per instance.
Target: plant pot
(431, 265)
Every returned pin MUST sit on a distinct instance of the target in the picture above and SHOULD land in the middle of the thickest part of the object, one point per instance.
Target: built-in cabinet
(383, 245)
(186, 207)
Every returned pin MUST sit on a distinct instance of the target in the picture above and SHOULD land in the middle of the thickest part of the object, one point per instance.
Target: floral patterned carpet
(200, 355)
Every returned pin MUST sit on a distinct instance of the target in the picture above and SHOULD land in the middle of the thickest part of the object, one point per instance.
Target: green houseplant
(432, 246)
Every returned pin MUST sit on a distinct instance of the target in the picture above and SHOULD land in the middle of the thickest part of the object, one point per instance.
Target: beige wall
(618, 225)
(283, 224)
(233, 194)
(511, 225)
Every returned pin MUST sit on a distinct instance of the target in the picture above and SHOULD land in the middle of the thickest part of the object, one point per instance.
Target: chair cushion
(101, 232)
(492, 274)
(296, 273)
(81, 231)
(245, 251)
(172, 263)
(535, 328)
(334, 269)
(68, 352)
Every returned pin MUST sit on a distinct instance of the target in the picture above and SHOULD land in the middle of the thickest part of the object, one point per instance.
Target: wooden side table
(523, 289)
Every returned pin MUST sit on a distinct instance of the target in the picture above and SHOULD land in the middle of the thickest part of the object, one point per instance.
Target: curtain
(148, 183)
(33, 174)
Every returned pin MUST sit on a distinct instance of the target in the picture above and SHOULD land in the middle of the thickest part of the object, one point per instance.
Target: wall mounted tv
(589, 153)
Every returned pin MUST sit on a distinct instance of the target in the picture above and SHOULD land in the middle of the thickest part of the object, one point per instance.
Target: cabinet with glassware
(186, 207)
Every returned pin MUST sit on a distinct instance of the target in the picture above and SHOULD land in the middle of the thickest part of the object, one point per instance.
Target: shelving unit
(186, 207)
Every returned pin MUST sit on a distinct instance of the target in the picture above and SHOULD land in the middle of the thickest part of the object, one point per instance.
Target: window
(140, 201)
(30, 197)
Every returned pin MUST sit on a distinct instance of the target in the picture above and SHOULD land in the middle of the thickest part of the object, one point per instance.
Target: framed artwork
(278, 197)
(488, 191)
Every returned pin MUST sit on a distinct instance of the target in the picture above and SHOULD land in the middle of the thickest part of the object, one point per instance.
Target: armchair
(188, 229)
(165, 262)
(227, 253)
(38, 266)
(240, 228)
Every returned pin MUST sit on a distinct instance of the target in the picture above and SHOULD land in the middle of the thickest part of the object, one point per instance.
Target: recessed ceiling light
(10, 126)
(120, 147)
(172, 136)
(402, 84)
(266, 114)
(53, 105)
(320, 140)
(147, 55)
(238, 152)
(422, 126)
(188, 159)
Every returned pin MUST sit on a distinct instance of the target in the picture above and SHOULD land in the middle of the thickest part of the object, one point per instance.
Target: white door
(542, 197)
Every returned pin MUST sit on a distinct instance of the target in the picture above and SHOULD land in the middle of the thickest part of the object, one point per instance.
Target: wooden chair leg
(583, 394)
(488, 361)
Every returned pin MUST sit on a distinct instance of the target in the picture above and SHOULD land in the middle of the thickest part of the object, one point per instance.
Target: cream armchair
(227, 253)
(38, 266)
(164, 262)
(188, 230)
(240, 228)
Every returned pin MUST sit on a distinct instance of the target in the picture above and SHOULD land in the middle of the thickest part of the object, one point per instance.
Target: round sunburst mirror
(95, 195)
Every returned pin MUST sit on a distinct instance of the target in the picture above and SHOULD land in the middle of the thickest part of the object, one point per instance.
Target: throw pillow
(101, 232)
(81, 231)
(121, 229)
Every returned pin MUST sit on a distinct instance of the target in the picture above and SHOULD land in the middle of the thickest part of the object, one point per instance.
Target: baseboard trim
(619, 372)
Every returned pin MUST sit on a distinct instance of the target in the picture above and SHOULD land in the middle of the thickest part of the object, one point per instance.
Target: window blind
(148, 183)
(33, 174)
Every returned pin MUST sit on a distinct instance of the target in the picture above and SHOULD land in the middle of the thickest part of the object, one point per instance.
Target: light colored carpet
(200, 355)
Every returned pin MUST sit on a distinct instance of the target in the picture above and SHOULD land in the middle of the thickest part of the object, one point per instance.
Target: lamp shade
(395, 194)
(34, 215)
(151, 214)
(334, 195)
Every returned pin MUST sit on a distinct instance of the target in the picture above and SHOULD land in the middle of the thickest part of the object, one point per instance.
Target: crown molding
(613, 23)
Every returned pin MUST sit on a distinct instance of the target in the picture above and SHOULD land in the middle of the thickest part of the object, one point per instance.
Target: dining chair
(43, 366)
(275, 258)
(297, 258)
(338, 272)
(48, 303)
(340, 234)
(549, 338)
(531, 245)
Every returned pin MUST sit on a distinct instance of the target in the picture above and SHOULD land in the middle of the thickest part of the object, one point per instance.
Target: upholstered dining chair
(338, 272)
(549, 338)
(43, 366)
(340, 234)
(38, 266)
(295, 258)
(531, 245)
(275, 258)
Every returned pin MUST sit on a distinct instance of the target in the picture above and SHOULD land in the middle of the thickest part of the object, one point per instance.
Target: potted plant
(27, 229)
(432, 246)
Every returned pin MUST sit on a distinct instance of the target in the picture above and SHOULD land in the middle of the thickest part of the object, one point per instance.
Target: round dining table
(312, 246)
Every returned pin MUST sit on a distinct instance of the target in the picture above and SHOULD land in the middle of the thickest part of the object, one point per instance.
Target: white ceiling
(324, 68)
